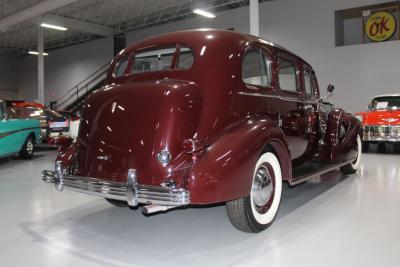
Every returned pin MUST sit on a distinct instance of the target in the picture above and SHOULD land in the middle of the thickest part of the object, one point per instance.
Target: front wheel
(352, 167)
(256, 212)
(27, 149)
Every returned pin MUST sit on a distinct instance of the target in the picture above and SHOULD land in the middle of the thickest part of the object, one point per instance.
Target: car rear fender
(225, 170)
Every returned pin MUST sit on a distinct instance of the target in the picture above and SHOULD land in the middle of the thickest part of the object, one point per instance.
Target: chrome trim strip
(304, 178)
(285, 98)
(131, 192)
(5, 134)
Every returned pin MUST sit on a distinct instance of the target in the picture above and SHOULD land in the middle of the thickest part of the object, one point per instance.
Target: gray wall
(63, 68)
(8, 81)
(306, 27)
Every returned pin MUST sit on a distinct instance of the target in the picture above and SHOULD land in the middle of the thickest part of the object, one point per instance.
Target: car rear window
(160, 59)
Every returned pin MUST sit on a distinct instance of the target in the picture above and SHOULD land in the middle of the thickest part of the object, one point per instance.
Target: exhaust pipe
(148, 209)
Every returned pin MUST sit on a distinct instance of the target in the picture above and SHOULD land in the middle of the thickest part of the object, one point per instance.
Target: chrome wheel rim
(29, 146)
(263, 188)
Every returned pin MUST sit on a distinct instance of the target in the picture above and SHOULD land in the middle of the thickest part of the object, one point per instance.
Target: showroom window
(256, 68)
(287, 75)
(153, 60)
(186, 58)
(121, 66)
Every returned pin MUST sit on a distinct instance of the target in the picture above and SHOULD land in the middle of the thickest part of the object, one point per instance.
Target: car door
(292, 109)
(11, 136)
(257, 76)
(311, 96)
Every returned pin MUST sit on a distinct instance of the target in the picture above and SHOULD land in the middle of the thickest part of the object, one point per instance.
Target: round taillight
(189, 146)
(164, 157)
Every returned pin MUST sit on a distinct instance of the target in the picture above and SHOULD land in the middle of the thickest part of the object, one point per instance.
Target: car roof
(195, 35)
(387, 95)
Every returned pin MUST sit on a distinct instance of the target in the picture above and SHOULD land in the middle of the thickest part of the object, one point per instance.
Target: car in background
(18, 132)
(52, 123)
(381, 123)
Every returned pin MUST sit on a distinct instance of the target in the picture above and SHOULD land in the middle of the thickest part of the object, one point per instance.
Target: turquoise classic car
(18, 133)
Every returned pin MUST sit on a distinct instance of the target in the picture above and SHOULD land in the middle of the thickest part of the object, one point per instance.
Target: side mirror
(369, 107)
(329, 90)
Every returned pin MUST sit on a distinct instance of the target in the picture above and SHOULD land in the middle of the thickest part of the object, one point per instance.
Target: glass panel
(390, 102)
(186, 58)
(154, 60)
(2, 110)
(287, 75)
(120, 67)
(254, 69)
(308, 84)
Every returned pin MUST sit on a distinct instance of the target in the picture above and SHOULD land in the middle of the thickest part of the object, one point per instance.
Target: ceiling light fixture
(37, 53)
(54, 27)
(204, 13)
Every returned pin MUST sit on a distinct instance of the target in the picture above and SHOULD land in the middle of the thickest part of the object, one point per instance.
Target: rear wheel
(257, 211)
(27, 149)
(352, 167)
(117, 203)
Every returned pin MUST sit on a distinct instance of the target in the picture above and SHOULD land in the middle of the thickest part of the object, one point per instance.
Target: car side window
(287, 75)
(2, 110)
(121, 66)
(256, 68)
(186, 58)
(314, 84)
(308, 84)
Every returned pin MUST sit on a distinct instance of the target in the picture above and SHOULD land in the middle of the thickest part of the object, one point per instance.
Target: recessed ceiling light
(204, 13)
(54, 27)
(37, 53)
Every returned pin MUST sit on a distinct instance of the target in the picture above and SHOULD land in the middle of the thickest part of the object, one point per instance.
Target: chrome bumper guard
(131, 192)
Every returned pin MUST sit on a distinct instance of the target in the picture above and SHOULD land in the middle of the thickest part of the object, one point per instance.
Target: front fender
(225, 170)
(342, 148)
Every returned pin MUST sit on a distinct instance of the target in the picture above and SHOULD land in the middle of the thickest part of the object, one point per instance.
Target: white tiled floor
(341, 221)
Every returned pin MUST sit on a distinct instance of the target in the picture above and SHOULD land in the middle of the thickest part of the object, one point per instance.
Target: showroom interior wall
(63, 68)
(8, 70)
(302, 26)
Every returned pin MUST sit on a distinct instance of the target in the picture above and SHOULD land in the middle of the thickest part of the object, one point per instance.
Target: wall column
(254, 18)
(40, 67)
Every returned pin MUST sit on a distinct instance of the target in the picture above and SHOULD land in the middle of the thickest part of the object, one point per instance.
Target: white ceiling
(119, 15)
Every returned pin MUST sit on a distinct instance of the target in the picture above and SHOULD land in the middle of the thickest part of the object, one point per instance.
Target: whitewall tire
(257, 211)
(352, 167)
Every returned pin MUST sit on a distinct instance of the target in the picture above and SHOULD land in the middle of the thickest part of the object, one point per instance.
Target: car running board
(307, 171)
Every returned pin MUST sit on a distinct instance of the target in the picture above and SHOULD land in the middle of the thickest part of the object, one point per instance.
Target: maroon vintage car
(206, 116)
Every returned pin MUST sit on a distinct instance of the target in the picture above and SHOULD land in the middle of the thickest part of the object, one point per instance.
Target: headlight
(360, 118)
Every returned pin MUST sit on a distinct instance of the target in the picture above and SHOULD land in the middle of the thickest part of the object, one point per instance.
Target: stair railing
(87, 84)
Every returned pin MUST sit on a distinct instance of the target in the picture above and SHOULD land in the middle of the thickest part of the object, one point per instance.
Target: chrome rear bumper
(131, 192)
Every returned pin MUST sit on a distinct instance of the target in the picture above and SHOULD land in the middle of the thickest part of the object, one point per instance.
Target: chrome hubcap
(262, 186)
(29, 146)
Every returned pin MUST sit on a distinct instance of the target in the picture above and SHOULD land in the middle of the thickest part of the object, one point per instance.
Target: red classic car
(206, 116)
(381, 123)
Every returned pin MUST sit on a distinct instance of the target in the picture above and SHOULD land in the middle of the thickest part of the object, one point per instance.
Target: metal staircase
(74, 98)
